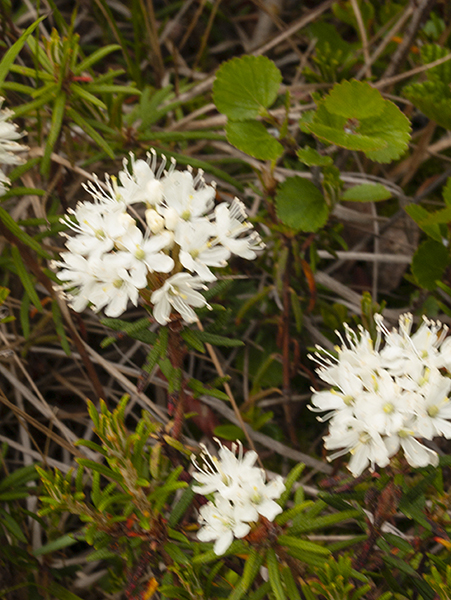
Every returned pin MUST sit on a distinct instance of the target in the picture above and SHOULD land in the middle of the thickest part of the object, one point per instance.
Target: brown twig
(420, 10)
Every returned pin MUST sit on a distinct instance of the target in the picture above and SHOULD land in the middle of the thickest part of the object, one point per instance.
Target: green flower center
(433, 410)
(140, 254)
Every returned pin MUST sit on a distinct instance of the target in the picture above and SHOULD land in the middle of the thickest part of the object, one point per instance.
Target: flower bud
(154, 221)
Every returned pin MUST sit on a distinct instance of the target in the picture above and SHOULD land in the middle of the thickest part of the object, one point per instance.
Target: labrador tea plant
(212, 306)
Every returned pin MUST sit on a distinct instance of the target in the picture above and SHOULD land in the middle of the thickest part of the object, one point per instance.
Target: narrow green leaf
(25, 278)
(113, 89)
(237, 547)
(274, 575)
(291, 513)
(19, 478)
(290, 584)
(192, 339)
(79, 91)
(55, 130)
(218, 340)
(98, 139)
(62, 542)
(367, 192)
(24, 315)
(11, 53)
(250, 572)
(290, 480)
(305, 545)
(96, 56)
(40, 54)
(181, 507)
(12, 526)
(9, 222)
(312, 524)
(60, 592)
(30, 107)
(99, 468)
(230, 432)
(59, 326)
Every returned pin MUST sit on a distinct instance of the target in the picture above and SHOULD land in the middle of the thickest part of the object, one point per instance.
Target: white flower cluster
(388, 395)
(8, 145)
(240, 495)
(155, 229)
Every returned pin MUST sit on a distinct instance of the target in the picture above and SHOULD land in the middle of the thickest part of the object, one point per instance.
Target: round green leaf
(336, 129)
(244, 86)
(383, 135)
(300, 205)
(391, 126)
(351, 141)
(253, 138)
(367, 192)
(429, 264)
(354, 100)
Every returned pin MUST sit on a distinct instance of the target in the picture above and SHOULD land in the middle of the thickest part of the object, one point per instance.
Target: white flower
(76, 272)
(178, 293)
(106, 282)
(98, 227)
(417, 455)
(363, 442)
(185, 198)
(197, 251)
(220, 523)
(225, 474)
(350, 388)
(240, 490)
(146, 251)
(389, 393)
(406, 354)
(145, 182)
(255, 497)
(231, 224)
(8, 145)
(118, 283)
(8, 137)
(433, 410)
(387, 406)
(173, 231)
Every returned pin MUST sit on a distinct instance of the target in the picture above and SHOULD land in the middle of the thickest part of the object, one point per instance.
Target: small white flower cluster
(386, 396)
(169, 244)
(240, 495)
(8, 145)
